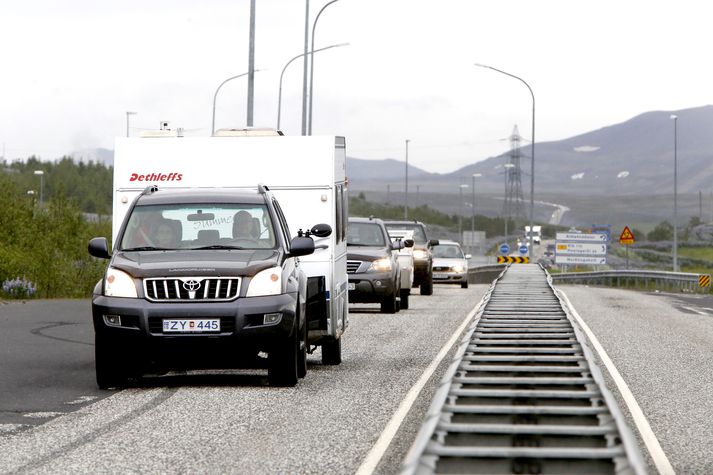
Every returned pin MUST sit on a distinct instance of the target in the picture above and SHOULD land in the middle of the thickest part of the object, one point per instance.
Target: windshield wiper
(146, 248)
(216, 246)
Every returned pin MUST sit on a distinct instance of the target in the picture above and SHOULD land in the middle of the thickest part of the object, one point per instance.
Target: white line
(382, 444)
(695, 310)
(652, 444)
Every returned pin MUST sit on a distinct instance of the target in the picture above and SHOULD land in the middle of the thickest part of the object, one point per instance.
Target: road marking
(9, 428)
(694, 310)
(642, 424)
(82, 400)
(42, 415)
(382, 444)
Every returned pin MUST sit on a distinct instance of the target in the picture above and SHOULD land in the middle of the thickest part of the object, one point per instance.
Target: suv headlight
(380, 265)
(118, 283)
(420, 254)
(266, 282)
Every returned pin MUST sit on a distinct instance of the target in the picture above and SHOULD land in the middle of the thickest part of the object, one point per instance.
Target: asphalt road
(662, 344)
(227, 422)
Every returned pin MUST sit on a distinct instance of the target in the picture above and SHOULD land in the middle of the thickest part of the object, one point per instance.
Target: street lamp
(212, 127)
(406, 184)
(41, 173)
(279, 95)
(311, 67)
(128, 113)
(472, 221)
(460, 213)
(675, 191)
(532, 163)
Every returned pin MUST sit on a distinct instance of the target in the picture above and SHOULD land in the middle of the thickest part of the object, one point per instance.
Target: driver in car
(243, 225)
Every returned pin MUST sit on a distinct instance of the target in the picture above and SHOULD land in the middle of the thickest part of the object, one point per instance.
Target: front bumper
(449, 277)
(242, 325)
(370, 287)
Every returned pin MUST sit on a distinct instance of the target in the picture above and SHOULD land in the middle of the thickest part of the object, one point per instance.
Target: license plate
(351, 286)
(184, 325)
(440, 276)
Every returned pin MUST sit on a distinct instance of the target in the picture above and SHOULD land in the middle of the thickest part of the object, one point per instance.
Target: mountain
(360, 170)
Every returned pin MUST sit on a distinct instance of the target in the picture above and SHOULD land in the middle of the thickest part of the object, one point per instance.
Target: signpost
(626, 239)
(581, 248)
(523, 249)
(504, 249)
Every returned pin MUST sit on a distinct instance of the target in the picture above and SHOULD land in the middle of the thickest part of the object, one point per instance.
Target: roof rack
(248, 132)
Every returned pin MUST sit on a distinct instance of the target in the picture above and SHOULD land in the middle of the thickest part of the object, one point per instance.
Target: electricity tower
(513, 207)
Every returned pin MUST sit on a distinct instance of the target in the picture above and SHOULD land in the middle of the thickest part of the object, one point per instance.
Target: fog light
(112, 320)
(269, 318)
(377, 283)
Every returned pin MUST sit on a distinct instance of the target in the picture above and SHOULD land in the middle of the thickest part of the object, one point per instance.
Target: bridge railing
(647, 279)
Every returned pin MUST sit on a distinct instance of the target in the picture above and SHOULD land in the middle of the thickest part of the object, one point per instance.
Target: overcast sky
(72, 68)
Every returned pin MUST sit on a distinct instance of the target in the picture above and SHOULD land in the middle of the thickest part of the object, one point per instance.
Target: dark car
(372, 265)
(422, 253)
(201, 279)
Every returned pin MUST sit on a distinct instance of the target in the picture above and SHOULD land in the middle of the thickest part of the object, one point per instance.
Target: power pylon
(513, 207)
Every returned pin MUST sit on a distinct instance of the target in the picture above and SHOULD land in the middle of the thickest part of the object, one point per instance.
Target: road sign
(627, 237)
(581, 237)
(513, 260)
(704, 280)
(587, 260)
(602, 229)
(580, 249)
(504, 248)
(523, 249)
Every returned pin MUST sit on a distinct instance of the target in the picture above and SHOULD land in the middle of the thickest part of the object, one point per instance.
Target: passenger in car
(165, 236)
(243, 225)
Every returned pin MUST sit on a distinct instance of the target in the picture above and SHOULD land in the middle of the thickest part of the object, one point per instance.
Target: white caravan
(307, 175)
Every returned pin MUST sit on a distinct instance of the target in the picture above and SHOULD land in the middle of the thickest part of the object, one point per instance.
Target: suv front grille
(186, 289)
(353, 266)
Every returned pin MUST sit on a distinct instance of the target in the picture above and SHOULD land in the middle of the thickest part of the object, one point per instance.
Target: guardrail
(660, 280)
(485, 274)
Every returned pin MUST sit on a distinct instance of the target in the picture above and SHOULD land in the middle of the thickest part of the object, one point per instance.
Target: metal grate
(187, 289)
(353, 266)
(524, 395)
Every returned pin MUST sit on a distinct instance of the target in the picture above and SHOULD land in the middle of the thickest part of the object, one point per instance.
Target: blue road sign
(504, 248)
(523, 249)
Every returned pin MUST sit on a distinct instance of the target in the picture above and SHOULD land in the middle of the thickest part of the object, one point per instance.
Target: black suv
(422, 257)
(202, 279)
(372, 266)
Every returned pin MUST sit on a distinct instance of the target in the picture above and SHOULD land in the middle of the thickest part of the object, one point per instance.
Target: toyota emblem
(191, 285)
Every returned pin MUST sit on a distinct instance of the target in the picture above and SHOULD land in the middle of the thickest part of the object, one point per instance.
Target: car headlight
(380, 265)
(118, 283)
(458, 268)
(420, 254)
(266, 282)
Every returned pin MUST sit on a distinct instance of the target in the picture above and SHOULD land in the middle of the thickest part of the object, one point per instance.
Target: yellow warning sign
(704, 280)
(513, 260)
(627, 237)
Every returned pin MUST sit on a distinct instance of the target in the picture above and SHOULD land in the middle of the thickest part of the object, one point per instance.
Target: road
(216, 422)
(662, 344)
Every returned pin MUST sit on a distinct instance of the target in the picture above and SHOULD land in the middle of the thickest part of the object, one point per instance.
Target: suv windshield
(419, 236)
(365, 234)
(199, 226)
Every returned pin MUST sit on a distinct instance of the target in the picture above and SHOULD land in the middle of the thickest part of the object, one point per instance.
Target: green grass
(705, 253)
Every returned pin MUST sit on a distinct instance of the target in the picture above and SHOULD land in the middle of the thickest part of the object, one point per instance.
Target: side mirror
(99, 247)
(321, 230)
(408, 243)
(433, 242)
(396, 245)
(301, 246)
(468, 256)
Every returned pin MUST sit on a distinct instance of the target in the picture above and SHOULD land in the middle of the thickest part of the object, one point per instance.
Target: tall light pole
(251, 66)
(41, 173)
(532, 163)
(460, 213)
(212, 127)
(128, 113)
(472, 220)
(406, 185)
(311, 68)
(279, 95)
(304, 71)
(675, 192)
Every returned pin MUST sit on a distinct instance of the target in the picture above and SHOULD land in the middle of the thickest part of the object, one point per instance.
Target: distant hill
(360, 170)
(631, 158)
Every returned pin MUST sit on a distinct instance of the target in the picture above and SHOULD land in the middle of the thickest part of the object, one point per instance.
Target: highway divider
(640, 279)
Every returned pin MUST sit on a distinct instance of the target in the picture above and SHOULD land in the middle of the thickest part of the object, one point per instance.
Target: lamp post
(406, 184)
(532, 163)
(128, 113)
(279, 95)
(311, 68)
(675, 192)
(460, 213)
(212, 127)
(41, 173)
(472, 220)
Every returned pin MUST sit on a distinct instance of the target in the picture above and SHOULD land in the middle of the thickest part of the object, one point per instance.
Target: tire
(427, 287)
(404, 298)
(283, 360)
(109, 370)
(332, 352)
(389, 304)
(464, 285)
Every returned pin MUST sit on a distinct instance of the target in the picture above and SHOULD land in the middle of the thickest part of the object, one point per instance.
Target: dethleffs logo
(157, 177)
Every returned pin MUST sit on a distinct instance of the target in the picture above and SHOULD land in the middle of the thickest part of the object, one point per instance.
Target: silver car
(450, 265)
